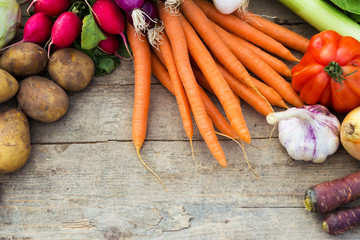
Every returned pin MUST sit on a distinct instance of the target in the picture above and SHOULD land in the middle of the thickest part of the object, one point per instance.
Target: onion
(350, 133)
(230, 6)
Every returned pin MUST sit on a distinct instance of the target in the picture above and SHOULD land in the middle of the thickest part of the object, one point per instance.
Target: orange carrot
(246, 93)
(278, 65)
(270, 94)
(284, 35)
(244, 30)
(260, 68)
(208, 67)
(221, 51)
(215, 115)
(142, 65)
(177, 39)
(181, 98)
(200, 78)
(160, 72)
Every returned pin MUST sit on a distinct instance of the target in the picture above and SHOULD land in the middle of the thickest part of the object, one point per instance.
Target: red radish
(65, 30)
(110, 45)
(110, 18)
(51, 8)
(37, 29)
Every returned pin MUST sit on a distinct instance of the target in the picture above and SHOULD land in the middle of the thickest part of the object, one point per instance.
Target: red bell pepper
(329, 72)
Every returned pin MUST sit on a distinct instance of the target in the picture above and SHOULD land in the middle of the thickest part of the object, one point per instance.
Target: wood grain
(84, 180)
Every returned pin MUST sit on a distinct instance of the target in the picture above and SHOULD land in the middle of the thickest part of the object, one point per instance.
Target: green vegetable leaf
(91, 34)
(348, 5)
(104, 63)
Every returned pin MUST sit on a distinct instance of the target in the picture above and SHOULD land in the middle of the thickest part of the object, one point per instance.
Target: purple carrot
(342, 221)
(51, 8)
(327, 196)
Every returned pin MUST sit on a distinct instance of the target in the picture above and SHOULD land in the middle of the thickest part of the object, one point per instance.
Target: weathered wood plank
(89, 189)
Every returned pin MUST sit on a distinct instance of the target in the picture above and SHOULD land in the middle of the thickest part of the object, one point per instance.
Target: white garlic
(309, 133)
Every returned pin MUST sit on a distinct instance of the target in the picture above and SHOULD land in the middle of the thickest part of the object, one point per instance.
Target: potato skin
(71, 69)
(42, 99)
(8, 86)
(14, 140)
(24, 59)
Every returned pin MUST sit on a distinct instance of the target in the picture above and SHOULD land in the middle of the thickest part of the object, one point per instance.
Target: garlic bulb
(309, 133)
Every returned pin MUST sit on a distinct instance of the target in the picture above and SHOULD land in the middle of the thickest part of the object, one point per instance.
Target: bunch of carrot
(204, 49)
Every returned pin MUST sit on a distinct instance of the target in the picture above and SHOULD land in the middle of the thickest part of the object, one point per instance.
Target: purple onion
(150, 9)
(129, 5)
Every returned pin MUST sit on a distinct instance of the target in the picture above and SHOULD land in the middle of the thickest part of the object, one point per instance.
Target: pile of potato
(39, 83)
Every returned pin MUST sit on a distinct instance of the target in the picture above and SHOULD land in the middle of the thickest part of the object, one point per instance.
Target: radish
(65, 30)
(110, 18)
(51, 8)
(37, 29)
(111, 45)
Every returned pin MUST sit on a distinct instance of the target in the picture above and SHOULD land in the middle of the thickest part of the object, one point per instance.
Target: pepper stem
(336, 72)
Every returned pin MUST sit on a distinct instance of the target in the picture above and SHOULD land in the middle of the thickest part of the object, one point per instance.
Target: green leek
(324, 16)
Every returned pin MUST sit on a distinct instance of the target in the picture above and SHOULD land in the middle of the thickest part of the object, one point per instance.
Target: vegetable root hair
(241, 144)
(155, 35)
(243, 7)
(139, 21)
(148, 168)
(172, 6)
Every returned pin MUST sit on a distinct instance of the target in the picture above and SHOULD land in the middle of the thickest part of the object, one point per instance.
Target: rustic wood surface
(84, 180)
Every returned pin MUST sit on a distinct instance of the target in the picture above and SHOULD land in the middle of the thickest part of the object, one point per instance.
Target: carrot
(181, 98)
(327, 196)
(215, 115)
(244, 30)
(270, 94)
(246, 93)
(177, 39)
(285, 36)
(221, 51)
(142, 65)
(160, 72)
(260, 68)
(342, 221)
(208, 67)
(200, 78)
(278, 65)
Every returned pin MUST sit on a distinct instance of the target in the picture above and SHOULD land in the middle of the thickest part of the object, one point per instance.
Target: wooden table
(85, 181)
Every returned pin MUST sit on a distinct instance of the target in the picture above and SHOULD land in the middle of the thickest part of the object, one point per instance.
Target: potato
(8, 86)
(42, 99)
(71, 69)
(14, 140)
(24, 59)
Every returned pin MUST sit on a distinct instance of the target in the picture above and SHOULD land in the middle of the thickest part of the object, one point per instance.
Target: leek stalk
(323, 16)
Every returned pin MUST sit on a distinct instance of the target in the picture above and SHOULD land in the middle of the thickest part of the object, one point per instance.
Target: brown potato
(14, 140)
(42, 99)
(8, 86)
(24, 59)
(71, 69)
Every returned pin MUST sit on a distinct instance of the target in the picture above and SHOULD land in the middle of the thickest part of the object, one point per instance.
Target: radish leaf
(91, 34)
